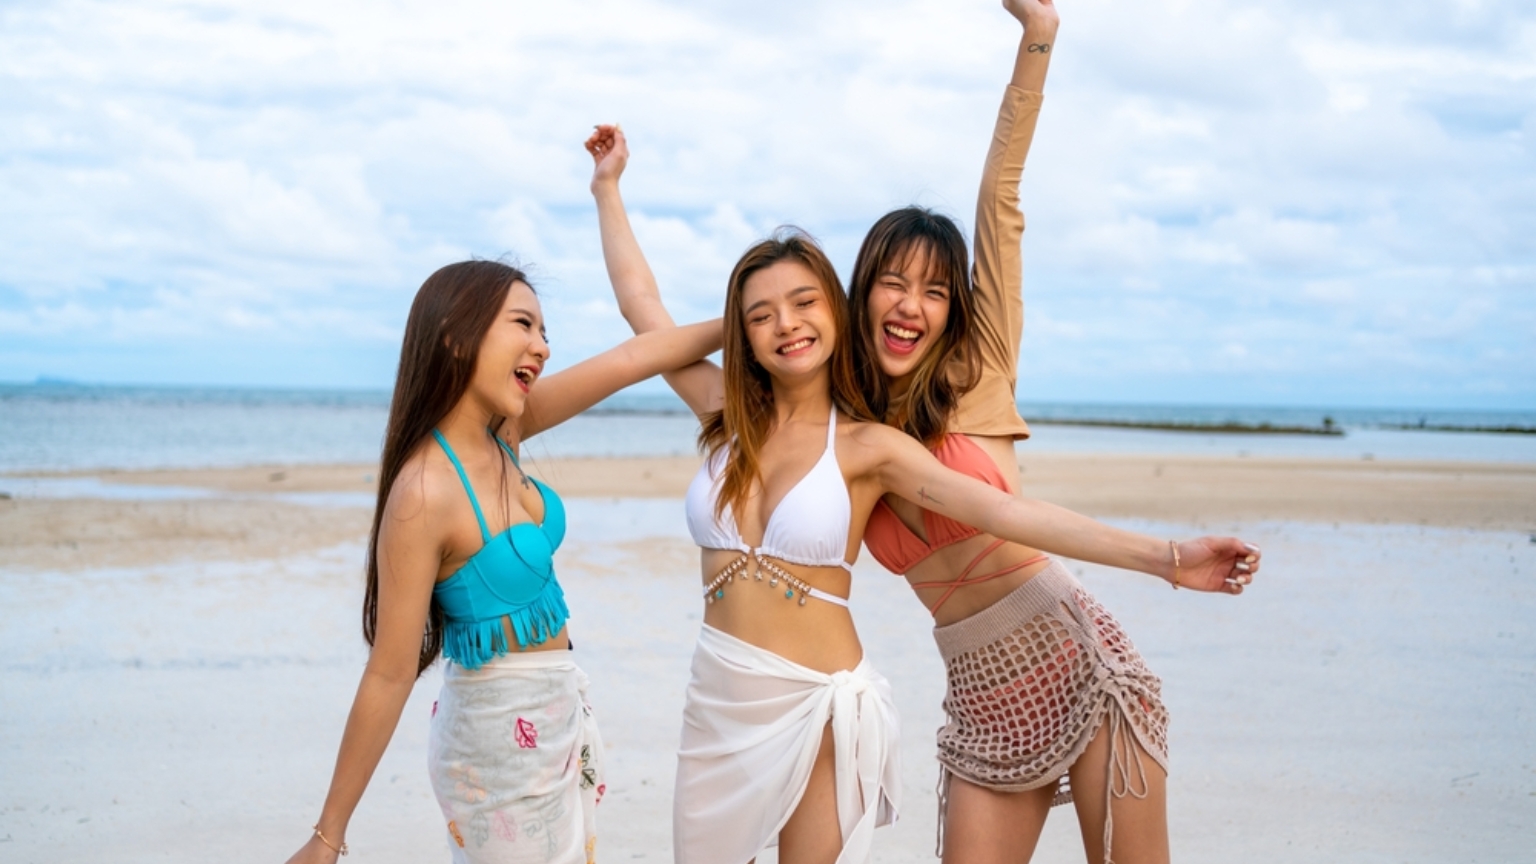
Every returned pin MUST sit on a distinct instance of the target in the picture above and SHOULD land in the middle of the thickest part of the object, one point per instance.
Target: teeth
(902, 332)
(794, 346)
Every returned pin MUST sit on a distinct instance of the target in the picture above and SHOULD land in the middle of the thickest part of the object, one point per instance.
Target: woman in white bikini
(788, 735)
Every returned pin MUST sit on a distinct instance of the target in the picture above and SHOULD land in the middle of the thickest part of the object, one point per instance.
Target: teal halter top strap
(511, 578)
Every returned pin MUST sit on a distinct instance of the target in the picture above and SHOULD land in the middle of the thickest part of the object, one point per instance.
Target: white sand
(1373, 698)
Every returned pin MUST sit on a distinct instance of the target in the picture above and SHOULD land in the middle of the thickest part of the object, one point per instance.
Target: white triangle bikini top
(809, 526)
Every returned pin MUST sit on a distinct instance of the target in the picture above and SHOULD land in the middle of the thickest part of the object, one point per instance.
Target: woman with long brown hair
(788, 735)
(1047, 700)
(460, 564)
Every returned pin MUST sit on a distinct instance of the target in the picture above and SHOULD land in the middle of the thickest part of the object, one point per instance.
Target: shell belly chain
(716, 587)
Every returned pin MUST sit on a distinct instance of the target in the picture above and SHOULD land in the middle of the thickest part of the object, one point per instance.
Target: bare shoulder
(874, 444)
(423, 492)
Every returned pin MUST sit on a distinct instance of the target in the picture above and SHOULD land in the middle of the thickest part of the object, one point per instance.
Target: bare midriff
(947, 563)
(818, 635)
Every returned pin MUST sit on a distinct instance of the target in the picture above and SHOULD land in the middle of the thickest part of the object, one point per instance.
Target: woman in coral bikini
(1048, 701)
(460, 564)
(789, 736)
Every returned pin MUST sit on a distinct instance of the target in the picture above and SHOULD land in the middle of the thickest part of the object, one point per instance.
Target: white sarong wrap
(752, 726)
(516, 761)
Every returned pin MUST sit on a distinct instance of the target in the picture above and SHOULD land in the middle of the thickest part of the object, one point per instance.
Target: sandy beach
(182, 647)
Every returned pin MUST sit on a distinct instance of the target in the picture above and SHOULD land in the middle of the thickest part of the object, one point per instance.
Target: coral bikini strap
(962, 581)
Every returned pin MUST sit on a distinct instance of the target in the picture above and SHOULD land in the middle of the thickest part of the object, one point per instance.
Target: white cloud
(1346, 194)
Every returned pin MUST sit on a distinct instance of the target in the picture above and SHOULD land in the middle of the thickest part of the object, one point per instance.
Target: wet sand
(181, 651)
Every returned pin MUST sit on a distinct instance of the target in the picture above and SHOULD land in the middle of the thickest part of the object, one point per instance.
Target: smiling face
(907, 310)
(512, 354)
(788, 321)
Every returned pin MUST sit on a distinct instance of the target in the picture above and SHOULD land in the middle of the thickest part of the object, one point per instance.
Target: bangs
(934, 238)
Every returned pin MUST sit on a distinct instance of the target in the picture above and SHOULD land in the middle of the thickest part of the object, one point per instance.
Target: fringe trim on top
(472, 644)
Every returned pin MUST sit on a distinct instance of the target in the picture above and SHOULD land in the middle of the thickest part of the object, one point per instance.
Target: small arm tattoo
(1039, 48)
(922, 495)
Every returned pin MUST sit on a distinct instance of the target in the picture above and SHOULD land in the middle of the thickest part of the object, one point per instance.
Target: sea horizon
(53, 425)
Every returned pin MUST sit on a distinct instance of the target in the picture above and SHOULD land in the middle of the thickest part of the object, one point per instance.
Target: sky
(1228, 201)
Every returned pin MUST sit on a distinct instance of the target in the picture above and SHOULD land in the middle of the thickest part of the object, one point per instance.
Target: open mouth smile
(525, 376)
(795, 347)
(899, 339)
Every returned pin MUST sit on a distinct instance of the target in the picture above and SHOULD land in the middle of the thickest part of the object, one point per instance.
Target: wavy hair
(449, 318)
(746, 420)
(949, 368)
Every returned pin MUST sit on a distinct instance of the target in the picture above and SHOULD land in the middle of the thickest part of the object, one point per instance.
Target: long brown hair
(449, 318)
(747, 418)
(951, 367)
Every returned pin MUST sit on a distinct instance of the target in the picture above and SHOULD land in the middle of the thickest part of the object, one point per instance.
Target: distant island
(1432, 427)
(1328, 427)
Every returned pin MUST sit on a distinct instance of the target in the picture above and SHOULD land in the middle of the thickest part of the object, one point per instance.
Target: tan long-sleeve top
(997, 275)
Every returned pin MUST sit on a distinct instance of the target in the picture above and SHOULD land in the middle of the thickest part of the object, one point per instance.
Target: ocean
(66, 427)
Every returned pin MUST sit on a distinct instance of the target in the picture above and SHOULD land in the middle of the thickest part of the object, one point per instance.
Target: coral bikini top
(895, 545)
(511, 577)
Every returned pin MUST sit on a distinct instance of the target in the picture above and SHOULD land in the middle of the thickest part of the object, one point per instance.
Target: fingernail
(1250, 547)
(1251, 558)
(1242, 566)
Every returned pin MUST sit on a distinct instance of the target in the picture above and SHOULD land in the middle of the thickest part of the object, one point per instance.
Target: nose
(909, 304)
(787, 321)
(540, 347)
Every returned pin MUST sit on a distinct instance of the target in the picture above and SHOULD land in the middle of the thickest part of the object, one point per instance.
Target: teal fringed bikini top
(512, 577)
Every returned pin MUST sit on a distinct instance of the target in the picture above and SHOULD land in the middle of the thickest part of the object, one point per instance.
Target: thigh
(1136, 789)
(812, 835)
(989, 827)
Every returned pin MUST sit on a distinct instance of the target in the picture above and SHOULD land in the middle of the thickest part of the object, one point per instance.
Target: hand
(1223, 564)
(610, 153)
(314, 852)
(1033, 14)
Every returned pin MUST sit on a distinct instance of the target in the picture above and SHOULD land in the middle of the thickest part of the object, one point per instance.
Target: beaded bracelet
(342, 850)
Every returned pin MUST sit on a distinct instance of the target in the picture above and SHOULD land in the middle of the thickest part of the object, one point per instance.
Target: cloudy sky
(1228, 200)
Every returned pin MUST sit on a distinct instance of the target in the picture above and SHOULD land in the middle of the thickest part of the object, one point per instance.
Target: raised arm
(701, 384)
(904, 468)
(997, 275)
(565, 394)
(407, 569)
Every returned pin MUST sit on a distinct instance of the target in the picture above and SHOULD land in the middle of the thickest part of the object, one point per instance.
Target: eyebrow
(793, 293)
(529, 312)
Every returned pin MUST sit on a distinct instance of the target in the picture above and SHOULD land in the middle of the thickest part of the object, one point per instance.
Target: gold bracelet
(1173, 547)
(339, 851)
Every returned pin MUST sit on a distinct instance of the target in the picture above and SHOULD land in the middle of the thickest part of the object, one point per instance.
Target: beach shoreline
(85, 519)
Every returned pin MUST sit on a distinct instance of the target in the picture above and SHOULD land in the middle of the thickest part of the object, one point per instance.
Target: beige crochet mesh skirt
(1031, 679)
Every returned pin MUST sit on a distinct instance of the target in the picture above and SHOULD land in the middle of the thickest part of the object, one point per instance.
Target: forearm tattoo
(1039, 48)
(922, 495)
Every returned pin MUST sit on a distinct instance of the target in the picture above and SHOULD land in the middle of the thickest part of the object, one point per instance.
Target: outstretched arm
(701, 384)
(908, 470)
(565, 394)
(997, 277)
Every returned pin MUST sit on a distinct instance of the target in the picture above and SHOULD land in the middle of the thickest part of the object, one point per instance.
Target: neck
(803, 398)
(467, 422)
(898, 387)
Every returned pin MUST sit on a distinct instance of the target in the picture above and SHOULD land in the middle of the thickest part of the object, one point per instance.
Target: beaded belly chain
(715, 590)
